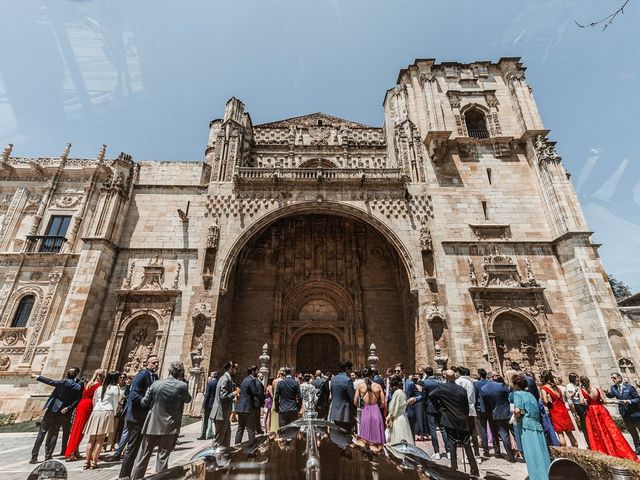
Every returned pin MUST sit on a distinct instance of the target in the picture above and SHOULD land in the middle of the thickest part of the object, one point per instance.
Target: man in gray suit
(222, 406)
(166, 398)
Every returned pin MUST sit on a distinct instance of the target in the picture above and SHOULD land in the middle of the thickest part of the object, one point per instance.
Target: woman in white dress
(101, 421)
(397, 421)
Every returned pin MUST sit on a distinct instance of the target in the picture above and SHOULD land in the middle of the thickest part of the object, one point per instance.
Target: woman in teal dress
(534, 446)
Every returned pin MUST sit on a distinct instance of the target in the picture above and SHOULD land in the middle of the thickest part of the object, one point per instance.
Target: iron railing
(44, 243)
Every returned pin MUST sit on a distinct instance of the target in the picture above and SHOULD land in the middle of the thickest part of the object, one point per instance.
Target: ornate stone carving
(176, 278)
(66, 200)
(126, 283)
(472, 274)
(213, 235)
(5, 201)
(7, 152)
(197, 357)
(201, 312)
(5, 362)
(426, 244)
(531, 279)
(436, 311)
(33, 201)
(13, 336)
(545, 151)
(40, 317)
(153, 276)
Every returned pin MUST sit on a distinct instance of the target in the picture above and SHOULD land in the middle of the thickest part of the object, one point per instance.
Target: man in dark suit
(431, 412)
(323, 397)
(165, 399)
(261, 397)
(343, 410)
(58, 410)
(377, 378)
(207, 404)
(137, 412)
(287, 398)
(317, 380)
(495, 396)
(223, 405)
(248, 403)
(452, 400)
(482, 417)
(628, 406)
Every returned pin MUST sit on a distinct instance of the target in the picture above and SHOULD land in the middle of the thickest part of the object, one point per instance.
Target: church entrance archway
(314, 274)
(317, 351)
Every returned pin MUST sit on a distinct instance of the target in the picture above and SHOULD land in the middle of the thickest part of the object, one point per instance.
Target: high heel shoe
(86, 466)
(94, 465)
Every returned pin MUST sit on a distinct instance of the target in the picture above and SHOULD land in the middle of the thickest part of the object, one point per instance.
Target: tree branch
(606, 21)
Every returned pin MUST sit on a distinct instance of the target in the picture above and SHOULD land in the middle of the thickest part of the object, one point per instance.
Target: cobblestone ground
(15, 451)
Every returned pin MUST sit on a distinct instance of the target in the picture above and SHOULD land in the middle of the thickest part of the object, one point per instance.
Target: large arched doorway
(317, 351)
(316, 274)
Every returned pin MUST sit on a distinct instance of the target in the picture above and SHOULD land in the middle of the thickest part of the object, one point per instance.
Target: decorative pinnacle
(101, 153)
(7, 151)
(65, 152)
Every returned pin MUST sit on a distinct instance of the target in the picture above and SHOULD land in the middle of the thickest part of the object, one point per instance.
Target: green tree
(620, 289)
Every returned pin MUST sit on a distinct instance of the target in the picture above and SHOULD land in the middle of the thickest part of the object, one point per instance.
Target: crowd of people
(514, 412)
(135, 413)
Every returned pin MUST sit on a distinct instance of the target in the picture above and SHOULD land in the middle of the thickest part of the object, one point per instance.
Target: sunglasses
(398, 371)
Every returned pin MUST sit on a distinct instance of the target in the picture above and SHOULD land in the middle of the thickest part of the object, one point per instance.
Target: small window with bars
(23, 312)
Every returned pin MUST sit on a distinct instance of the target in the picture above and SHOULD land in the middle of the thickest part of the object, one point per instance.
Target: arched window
(23, 312)
(476, 123)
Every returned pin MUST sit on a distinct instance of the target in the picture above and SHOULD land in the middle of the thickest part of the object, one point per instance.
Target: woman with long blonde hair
(274, 424)
(83, 412)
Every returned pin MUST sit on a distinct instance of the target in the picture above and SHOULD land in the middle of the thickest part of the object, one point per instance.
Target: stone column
(195, 379)
(373, 358)
(264, 364)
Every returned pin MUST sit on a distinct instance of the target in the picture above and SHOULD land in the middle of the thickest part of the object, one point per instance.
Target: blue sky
(146, 77)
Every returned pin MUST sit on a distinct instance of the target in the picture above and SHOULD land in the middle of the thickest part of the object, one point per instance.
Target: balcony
(44, 243)
(482, 133)
(315, 176)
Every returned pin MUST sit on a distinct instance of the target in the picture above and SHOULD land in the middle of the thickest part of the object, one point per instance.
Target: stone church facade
(451, 235)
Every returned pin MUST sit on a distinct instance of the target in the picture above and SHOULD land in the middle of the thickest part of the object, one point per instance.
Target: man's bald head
(450, 375)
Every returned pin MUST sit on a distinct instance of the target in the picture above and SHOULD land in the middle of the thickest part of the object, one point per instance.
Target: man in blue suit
(431, 412)
(483, 416)
(137, 413)
(343, 410)
(60, 405)
(628, 406)
(495, 396)
(287, 398)
(248, 403)
(207, 404)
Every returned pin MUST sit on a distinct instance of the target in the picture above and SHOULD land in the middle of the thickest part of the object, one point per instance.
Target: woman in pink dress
(83, 412)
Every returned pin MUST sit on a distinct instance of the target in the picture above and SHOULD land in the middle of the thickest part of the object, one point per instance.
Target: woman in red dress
(83, 412)
(604, 435)
(553, 399)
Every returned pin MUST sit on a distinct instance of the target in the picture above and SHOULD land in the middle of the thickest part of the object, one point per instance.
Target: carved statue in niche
(139, 344)
(516, 341)
(213, 235)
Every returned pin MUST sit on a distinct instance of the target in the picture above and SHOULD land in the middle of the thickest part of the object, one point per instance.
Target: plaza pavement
(15, 450)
